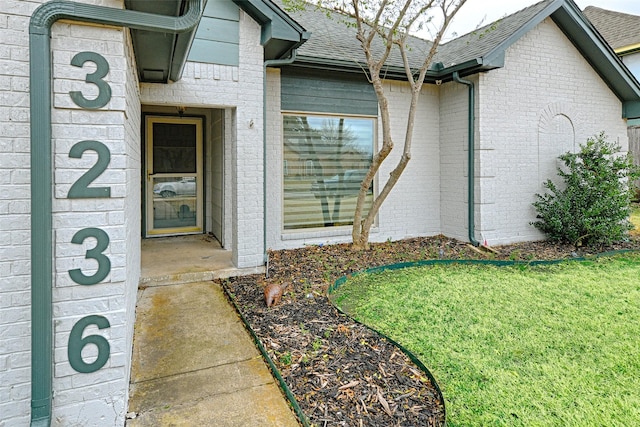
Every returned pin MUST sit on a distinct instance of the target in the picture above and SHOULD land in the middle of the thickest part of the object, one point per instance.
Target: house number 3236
(81, 190)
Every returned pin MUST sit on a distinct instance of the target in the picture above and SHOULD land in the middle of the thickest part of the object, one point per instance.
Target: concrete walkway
(194, 364)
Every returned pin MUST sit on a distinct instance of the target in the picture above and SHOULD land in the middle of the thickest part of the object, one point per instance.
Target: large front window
(326, 158)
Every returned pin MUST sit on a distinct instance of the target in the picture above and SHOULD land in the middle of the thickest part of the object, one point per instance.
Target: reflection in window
(327, 157)
(308, 168)
(174, 148)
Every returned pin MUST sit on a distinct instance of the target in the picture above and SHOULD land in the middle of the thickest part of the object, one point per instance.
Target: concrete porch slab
(186, 259)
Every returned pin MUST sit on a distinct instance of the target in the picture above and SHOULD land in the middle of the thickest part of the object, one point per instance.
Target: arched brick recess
(556, 135)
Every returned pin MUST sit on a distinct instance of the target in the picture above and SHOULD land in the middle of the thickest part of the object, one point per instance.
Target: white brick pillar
(96, 237)
(247, 155)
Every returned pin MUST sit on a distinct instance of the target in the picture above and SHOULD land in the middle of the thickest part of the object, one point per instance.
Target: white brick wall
(15, 296)
(454, 106)
(274, 162)
(413, 207)
(544, 75)
(131, 217)
(515, 106)
(100, 397)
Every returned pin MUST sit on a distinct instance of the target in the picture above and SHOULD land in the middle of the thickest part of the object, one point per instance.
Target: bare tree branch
(380, 25)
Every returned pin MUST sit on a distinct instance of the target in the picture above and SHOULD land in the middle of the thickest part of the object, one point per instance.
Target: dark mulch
(340, 372)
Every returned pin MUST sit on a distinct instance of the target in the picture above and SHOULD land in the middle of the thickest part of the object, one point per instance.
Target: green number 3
(104, 90)
(104, 263)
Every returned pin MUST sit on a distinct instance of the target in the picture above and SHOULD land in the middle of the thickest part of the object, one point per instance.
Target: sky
(486, 11)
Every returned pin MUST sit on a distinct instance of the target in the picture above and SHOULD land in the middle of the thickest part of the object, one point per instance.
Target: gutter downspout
(471, 159)
(268, 63)
(40, 81)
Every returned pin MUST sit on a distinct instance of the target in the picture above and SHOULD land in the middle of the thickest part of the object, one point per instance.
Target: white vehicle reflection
(185, 187)
(341, 185)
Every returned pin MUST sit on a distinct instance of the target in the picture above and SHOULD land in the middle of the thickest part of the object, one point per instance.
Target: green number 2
(104, 90)
(81, 188)
(77, 343)
(104, 263)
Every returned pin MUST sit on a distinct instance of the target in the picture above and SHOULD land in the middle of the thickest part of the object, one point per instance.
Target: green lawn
(517, 346)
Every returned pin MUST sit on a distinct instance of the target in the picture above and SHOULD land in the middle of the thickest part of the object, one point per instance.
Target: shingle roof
(332, 39)
(620, 30)
(484, 40)
(333, 46)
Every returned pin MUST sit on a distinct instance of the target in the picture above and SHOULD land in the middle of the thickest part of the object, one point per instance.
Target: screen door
(174, 175)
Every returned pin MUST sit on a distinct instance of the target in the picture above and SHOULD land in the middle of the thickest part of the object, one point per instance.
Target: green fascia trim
(276, 26)
(601, 57)
(265, 11)
(631, 109)
(569, 19)
(598, 53)
(40, 81)
(478, 65)
(178, 47)
(181, 52)
(397, 73)
(501, 48)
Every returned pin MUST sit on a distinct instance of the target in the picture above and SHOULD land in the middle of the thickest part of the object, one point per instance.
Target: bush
(593, 205)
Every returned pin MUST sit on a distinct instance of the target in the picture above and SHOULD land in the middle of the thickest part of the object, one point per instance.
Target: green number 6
(77, 343)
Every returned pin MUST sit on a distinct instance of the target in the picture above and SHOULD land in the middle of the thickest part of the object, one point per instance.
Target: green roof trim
(599, 54)
(280, 33)
(631, 109)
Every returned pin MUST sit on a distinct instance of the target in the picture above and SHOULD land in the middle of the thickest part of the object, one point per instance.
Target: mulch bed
(340, 372)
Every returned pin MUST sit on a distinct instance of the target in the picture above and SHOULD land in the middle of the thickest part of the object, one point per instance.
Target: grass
(517, 346)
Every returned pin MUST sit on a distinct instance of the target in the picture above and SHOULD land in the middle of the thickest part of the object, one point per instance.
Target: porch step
(196, 276)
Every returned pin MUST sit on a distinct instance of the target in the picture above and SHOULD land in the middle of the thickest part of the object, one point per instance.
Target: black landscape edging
(283, 385)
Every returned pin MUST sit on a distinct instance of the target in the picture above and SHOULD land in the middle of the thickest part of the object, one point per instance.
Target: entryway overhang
(161, 57)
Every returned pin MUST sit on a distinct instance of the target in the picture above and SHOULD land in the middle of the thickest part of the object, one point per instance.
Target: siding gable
(218, 34)
(339, 93)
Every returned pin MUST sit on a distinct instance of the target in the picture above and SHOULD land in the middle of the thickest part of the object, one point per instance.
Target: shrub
(592, 207)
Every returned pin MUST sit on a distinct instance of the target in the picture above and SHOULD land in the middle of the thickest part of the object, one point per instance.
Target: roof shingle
(333, 39)
(619, 29)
